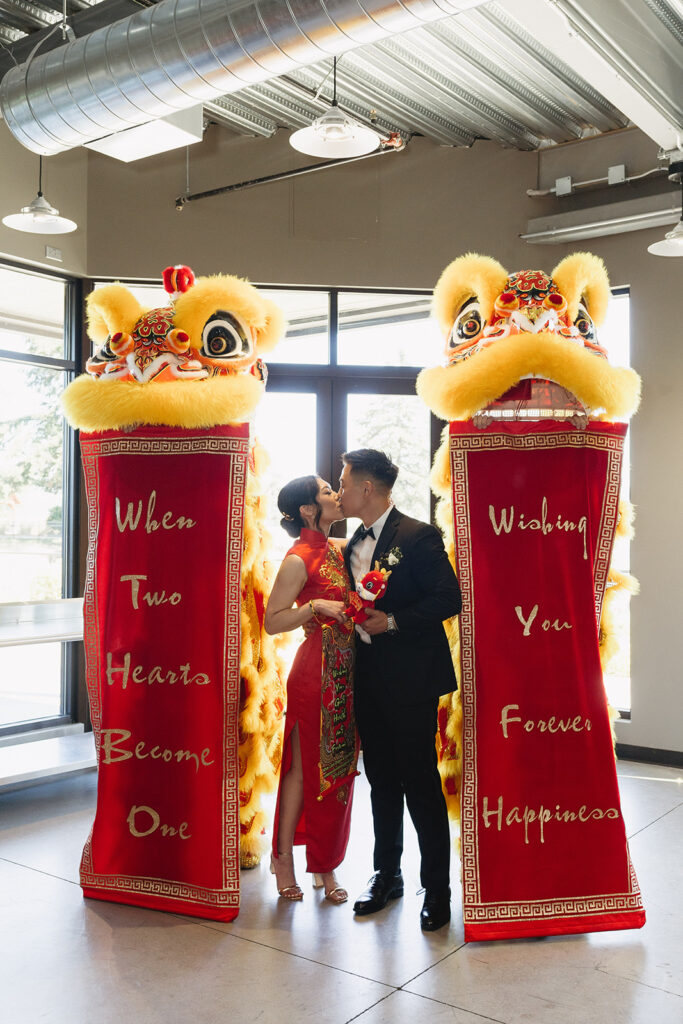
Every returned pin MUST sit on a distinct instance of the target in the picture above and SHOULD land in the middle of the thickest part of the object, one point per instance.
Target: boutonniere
(391, 558)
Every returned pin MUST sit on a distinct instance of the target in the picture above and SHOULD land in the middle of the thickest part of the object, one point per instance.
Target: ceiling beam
(622, 49)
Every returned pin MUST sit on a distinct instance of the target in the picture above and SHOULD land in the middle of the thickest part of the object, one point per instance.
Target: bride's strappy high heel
(336, 895)
(288, 892)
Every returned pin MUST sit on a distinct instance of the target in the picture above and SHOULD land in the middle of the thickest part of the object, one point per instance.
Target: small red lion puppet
(368, 590)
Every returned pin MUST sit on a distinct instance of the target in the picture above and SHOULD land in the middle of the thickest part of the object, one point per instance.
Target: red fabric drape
(162, 641)
(543, 841)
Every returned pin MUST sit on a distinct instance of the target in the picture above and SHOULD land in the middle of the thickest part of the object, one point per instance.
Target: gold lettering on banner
(506, 519)
(527, 621)
(541, 816)
(498, 813)
(153, 823)
(156, 675)
(131, 520)
(552, 725)
(115, 748)
(152, 598)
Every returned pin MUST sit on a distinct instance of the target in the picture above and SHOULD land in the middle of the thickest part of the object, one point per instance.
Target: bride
(320, 743)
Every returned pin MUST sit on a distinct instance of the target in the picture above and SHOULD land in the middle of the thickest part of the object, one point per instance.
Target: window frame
(71, 365)
(332, 382)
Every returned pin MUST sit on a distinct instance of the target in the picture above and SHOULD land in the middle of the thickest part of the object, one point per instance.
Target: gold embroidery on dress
(333, 568)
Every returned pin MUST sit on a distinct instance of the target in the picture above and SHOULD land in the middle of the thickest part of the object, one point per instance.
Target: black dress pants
(400, 761)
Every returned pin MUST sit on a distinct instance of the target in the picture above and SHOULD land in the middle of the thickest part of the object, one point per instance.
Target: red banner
(544, 846)
(162, 642)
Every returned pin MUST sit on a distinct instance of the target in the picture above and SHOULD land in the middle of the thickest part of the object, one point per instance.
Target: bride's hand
(329, 609)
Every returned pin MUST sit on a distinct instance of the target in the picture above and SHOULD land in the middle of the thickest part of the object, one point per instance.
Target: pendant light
(39, 217)
(334, 134)
(672, 243)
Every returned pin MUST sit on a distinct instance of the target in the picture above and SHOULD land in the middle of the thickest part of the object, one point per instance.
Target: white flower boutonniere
(391, 558)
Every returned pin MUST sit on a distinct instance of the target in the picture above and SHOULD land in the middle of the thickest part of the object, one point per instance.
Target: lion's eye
(226, 337)
(584, 324)
(105, 354)
(468, 324)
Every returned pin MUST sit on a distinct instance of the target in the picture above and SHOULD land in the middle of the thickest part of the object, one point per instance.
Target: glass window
(32, 460)
(306, 312)
(614, 335)
(31, 483)
(383, 329)
(29, 682)
(150, 296)
(285, 424)
(307, 339)
(31, 314)
(400, 426)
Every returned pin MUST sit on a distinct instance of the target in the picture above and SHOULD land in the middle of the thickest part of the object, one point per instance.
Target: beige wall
(65, 185)
(395, 221)
(392, 220)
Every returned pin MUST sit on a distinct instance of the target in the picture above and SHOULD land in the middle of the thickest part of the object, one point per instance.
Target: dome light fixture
(334, 134)
(39, 218)
(672, 243)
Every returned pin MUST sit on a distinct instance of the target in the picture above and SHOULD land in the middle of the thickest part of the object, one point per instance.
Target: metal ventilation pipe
(182, 52)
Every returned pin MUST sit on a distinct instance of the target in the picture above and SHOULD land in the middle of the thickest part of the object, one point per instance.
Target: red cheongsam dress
(320, 701)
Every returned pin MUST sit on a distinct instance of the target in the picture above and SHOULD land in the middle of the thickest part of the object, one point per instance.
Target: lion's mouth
(531, 399)
(145, 367)
(523, 323)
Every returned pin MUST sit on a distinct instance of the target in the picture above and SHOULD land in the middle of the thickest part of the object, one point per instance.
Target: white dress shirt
(363, 551)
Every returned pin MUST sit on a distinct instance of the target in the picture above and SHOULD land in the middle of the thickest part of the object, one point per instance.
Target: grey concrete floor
(66, 960)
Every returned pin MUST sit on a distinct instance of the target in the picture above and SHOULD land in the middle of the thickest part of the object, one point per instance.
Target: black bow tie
(363, 533)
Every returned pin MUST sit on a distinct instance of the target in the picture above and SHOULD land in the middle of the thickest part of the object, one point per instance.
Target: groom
(399, 678)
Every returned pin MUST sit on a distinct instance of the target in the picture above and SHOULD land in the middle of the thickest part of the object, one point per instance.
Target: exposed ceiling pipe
(183, 52)
(394, 144)
(596, 184)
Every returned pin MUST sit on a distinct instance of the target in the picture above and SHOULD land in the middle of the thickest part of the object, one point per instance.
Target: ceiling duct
(182, 52)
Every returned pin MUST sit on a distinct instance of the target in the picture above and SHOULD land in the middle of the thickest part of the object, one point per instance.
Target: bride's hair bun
(302, 491)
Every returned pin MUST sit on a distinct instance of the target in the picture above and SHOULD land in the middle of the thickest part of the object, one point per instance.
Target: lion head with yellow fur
(193, 363)
(525, 342)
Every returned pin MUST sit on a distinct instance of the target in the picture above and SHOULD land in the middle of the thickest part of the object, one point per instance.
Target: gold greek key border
(157, 445)
(553, 439)
(608, 524)
(232, 647)
(536, 910)
(460, 445)
(162, 888)
(469, 833)
(92, 449)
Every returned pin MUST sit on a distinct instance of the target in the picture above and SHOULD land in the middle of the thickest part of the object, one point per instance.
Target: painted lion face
(530, 303)
(525, 343)
(212, 335)
(217, 326)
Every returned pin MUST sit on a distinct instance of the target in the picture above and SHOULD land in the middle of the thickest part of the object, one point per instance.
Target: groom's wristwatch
(391, 624)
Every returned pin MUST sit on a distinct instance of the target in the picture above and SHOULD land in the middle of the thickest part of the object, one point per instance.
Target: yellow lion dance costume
(490, 322)
(196, 363)
(528, 479)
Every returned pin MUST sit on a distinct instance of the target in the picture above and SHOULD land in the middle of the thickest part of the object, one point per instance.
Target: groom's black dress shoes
(382, 887)
(436, 909)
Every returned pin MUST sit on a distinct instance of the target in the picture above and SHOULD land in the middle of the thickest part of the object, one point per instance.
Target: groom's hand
(376, 622)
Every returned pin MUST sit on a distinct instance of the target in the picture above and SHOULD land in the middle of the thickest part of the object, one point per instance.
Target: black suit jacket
(415, 663)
